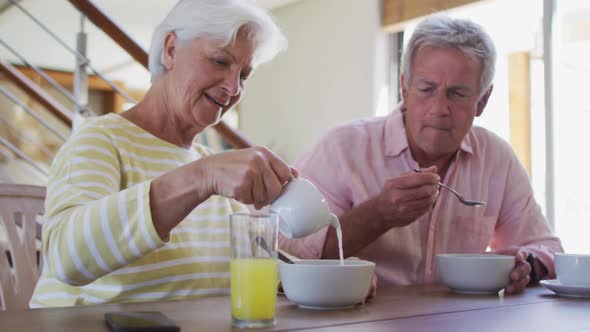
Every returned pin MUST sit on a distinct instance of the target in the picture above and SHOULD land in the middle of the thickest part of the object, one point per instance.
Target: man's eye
(220, 62)
(459, 94)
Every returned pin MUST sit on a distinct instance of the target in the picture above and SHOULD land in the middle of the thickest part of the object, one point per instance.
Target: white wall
(332, 72)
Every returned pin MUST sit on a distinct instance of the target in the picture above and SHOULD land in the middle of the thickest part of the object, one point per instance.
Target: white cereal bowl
(325, 284)
(573, 269)
(475, 273)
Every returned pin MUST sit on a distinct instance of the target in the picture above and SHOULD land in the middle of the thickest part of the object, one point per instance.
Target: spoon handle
(285, 258)
(262, 243)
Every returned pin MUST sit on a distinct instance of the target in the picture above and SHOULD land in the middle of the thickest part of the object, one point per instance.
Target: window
(520, 30)
(571, 118)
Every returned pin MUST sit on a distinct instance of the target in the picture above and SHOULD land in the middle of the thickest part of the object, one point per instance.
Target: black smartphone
(149, 321)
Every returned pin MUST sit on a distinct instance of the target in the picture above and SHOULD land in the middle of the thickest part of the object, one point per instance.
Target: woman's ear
(169, 51)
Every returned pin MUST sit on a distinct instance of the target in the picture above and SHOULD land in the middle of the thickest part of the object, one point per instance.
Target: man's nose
(441, 105)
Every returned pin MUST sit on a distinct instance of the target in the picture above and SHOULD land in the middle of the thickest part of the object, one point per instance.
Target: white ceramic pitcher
(302, 209)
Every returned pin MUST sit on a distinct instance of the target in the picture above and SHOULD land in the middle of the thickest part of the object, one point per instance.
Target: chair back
(21, 208)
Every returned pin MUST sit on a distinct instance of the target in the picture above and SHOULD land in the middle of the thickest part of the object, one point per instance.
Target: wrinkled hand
(519, 277)
(373, 289)
(251, 176)
(407, 197)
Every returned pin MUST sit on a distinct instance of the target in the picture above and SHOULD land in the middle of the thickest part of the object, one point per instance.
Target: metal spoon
(262, 243)
(459, 196)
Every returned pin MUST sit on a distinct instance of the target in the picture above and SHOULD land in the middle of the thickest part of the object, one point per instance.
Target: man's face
(441, 101)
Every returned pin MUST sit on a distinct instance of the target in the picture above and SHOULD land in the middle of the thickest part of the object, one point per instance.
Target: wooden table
(414, 308)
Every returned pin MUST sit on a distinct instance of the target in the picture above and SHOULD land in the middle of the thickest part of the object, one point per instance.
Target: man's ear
(170, 47)
(402, 82)
(483, 101)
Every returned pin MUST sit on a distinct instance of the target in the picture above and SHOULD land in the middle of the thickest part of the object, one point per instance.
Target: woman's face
(204, 78)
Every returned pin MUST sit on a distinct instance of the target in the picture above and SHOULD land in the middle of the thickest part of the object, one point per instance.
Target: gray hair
(467, 36)
(218, 19)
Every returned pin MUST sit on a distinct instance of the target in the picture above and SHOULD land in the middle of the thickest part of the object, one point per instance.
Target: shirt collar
(396, 140)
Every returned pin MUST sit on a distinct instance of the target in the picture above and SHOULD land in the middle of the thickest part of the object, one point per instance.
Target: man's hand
(401, 202)
(407, 197)
(519, 277)
(373, 289)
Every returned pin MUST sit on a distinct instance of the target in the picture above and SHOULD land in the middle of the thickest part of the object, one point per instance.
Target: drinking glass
(253, 269)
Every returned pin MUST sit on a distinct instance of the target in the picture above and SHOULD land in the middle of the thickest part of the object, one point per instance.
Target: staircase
(39, 108)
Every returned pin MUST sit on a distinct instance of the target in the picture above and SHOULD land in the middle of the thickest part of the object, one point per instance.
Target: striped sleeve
(92, 227)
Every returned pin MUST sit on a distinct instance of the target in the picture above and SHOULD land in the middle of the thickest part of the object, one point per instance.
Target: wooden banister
(33, 90)
(118, 35)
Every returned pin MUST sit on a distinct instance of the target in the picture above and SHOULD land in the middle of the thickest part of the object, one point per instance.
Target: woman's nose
(232, 85)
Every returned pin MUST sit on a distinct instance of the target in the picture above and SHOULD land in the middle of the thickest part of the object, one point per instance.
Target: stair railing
(77, 54)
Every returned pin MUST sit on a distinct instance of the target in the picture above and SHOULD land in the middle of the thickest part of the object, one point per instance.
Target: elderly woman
(136, 210)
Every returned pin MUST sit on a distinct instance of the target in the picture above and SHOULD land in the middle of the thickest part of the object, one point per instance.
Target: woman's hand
(251, 176)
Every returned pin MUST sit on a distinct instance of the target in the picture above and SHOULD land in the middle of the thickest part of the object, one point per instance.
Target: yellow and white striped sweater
(99, 242)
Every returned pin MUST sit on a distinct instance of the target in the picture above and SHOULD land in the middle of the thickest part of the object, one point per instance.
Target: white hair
(218, 19)
(464, 35)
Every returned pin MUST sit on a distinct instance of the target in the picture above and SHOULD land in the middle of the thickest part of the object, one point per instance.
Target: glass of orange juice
(253, 269)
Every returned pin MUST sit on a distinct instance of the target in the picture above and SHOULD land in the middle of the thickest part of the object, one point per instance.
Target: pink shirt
(352, 162)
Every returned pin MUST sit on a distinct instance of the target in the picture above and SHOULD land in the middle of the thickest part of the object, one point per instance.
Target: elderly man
(399, 218)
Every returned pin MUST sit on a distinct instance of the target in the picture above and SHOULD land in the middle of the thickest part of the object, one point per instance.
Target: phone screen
(136, 321)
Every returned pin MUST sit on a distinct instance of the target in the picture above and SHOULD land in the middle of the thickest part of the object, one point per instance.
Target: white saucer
(566, 290)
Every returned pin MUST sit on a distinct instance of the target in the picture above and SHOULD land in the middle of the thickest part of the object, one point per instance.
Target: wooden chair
(21, 207)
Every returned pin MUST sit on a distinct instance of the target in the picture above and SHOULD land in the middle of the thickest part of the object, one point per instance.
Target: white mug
(302, 209)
